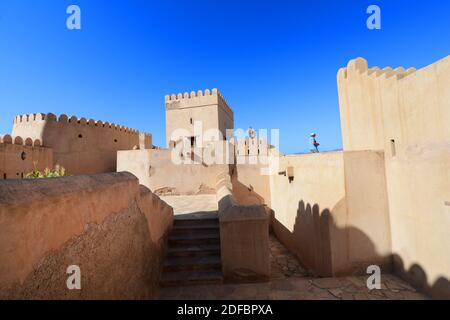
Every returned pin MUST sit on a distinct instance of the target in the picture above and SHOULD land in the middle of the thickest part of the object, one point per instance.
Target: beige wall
(250, 186)
(210, 108)
(368, 224)
(413, 109)
(19, 156)
(155, 169)
(305, 208)
(106, 224)
(333, 214)
(81, 146)
(244, 236)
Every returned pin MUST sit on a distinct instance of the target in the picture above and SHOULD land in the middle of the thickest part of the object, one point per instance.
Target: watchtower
(209, 108)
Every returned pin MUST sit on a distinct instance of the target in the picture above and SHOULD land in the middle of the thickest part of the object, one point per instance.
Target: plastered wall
(156, 170)
(79, 145)
(19, 156)
(332, 214)
(106, 224)
(411, 110)
(209, 108)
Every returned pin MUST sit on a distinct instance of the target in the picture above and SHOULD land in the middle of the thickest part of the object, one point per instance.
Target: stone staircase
(193, 254)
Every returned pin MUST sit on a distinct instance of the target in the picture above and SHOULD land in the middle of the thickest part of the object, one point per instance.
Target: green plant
(57, 172)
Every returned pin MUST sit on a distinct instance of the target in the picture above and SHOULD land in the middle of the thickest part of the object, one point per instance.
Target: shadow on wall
(244, 195)
(328, 250)
(415, 275)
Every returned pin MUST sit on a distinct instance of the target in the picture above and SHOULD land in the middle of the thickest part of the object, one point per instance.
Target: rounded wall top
(17, 140)
(360, 66)
(73, 120)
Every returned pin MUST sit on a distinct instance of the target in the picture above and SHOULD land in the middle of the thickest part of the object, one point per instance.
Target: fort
(128, 214)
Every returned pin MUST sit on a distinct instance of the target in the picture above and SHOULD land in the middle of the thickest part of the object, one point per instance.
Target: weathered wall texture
(19, 156)
(106, 224)
(250, 186)
(156, 170)
(209, 107)
(306, 208)
(332, 215)
(368, 224)
(412, 114)
(81, 146)
(244, 236)
(250, 174)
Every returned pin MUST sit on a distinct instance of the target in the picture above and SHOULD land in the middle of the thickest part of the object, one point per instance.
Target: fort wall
(81, 146)
(156, 170)
(406, 114)
(19, 156)
(106, 224)
(329, 209)
(244, 236)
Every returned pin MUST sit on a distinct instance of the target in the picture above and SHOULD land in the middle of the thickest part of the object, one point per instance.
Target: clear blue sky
(274, 61)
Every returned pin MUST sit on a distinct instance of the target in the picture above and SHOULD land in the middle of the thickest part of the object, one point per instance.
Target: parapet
(196, 99)
(251, 146)
(145, 141)
(64, 119)
(359, 66)
(17, 140)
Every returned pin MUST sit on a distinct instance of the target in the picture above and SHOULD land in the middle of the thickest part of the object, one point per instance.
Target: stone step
(196, 219)
(197, 238)
(192, 263)
(183, 278)
(193, 250)
(197, 216)
(194, 228)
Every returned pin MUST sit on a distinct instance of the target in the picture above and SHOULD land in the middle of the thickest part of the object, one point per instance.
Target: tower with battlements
(185, 111)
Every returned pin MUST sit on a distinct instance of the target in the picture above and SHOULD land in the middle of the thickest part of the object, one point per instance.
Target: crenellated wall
(80, 145)
(19, 156)
(209, 107)
(406, 115)
(362, 92)
(251, 146)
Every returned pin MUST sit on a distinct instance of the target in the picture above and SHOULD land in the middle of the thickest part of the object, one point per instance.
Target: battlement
(73, 120)
(73, 138)
(359, 66)
(196, 99)
(251, 146)
(17, 140)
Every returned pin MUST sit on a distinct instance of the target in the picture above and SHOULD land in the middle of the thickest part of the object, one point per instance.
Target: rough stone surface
(283, 263)
(292, 289)
(297, 284)
(100, 223)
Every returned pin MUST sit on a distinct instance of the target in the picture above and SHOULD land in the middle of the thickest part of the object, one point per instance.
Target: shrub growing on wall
(47, 173)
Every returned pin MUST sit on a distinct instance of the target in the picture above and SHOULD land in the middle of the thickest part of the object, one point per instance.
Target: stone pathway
(346, 288)
(290, 281)
(284, 263)
(190, 204)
